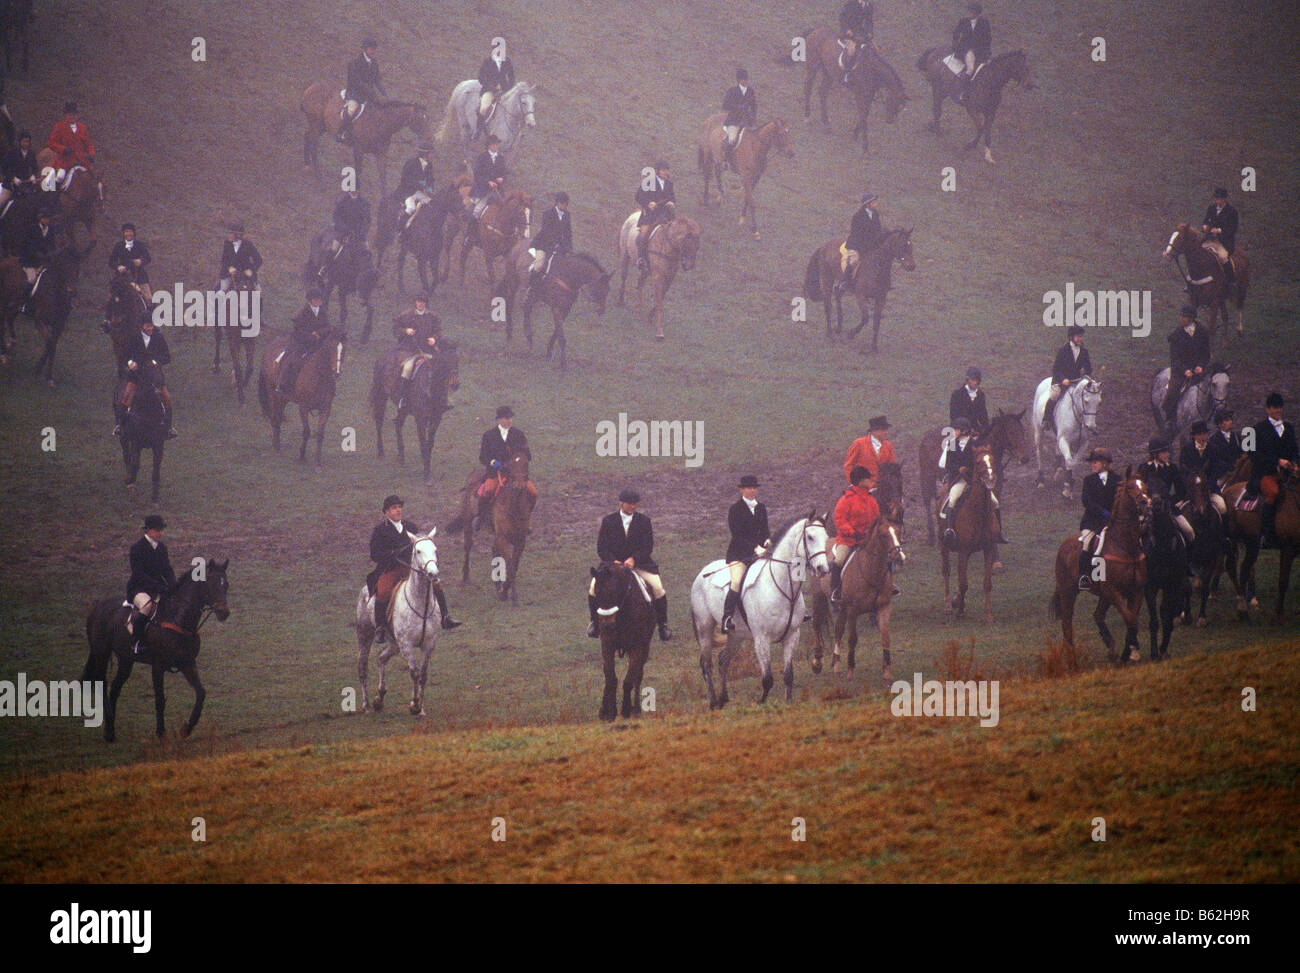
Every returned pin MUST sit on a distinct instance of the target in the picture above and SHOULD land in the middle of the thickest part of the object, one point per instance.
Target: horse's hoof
(1201, 622)
(816, 664)
(835, 662)
(757, 235)
(186, 729)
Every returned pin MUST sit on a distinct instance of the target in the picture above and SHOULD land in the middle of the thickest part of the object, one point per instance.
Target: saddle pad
(953, 64)
(645, 592)
(1246, 504)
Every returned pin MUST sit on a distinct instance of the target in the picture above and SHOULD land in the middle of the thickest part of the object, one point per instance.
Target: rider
(18, 171)
(151, 577)
(855, 29)
(1098, 496)
(1164, 480)
(747, 521)
(1219, 229)
(872, 449)
(1189, 357)
(1275, 451)
(130, 257)
(865, 232)
(390, 545)
(351, 224)
(554, 238)
(968, 402)
(415, 188)
(658, 205)
(239, 258)
(39, 247)
(628, 538)
(494, 451)
(71, 145)
(1071, 364)
(972, 44)
(1223, 450)
(146, 347)
(310, 325)
(489, 175)
(1196, 457)
(496, 76)
(417, 331)
(741, 105)
(364, 85)
(856, 512)
(956, 463)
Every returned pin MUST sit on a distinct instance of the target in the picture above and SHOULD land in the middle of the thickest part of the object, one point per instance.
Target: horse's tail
(812, 280)
(101, 648)
(1054, 607)
(444, 133)
(457, 523)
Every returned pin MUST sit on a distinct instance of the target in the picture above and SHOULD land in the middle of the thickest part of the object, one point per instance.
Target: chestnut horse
(751, 158)
(1005, 437)
(569, 274)
(1247, 525)
(870, 74)
(1206, 280)
(673, 246)
(975, 524)
(510, 510)
(80, 201)
(505, 220)
(870, 285)
(372, 130)
(985, 89)
(1119, 573)
(627, 621)
(313, 388)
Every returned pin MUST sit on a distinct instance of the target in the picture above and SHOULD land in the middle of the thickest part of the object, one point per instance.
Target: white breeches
(651, 581)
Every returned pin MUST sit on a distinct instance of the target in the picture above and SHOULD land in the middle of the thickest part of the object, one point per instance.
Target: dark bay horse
(1005, 438)
(144, 426)
(1208, 549)
(1206, 280)
(372, 130)
(673, 246)
(985, 89)
(871, 75)
(627, 621)
(1167, 590)
(751, 158)
(425, 237)
(509, 513)
(124, 311)
(428, 399)
(313, 388)
(870, 285)
(1246, 525)
(570, 273)
(975, 524)
(1122, 565)
(350, 271)
(171, 641)
(241, 341)
(505, 220)
(51, 304)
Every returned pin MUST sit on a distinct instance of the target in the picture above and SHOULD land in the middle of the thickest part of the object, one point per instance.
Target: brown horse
(673, 246)
(427, 398)
(80, 201)
(13, 285)
(125, 309)
(504, 221)
(427, 236)
(975, 524)
(1119, 574)
(1005, 437)
(1246, 525)
(241, 343)
(313, 388)
(627, 622)
(510, 510)
(870, 284)
(866, 586)
(751, 158)
(50, 305)
(823, 61)
(1206, 280)
(985, 89)
(569, 274)
(372, 130)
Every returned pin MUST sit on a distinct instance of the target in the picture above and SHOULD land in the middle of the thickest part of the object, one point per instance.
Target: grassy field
(1094, 167)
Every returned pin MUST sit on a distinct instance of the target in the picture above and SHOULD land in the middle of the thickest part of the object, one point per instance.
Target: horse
(751, 158)
(1075, 416)
(13, 287)
(144, 426)
(1200, 398)
(15, 19)
(50, 304)
(985, 89)
(1247, 524)
(509, 512)
(372, 130)
(240, 337)
(427, 399)
(771, 603)
(1005, 438)
(1205, 555)
(870, 75)
(414, 623)
(351, 271)
(171, 641)
(1206, 280)
(673, 245)
(124, 311)
(627, 622)
(21, 213)
(505, 220)
(975, 524)
(424, 237)
(80, 200)
(559, 289)
(313, 388)
(870, 284)
(1119, 575)
(513, 114)
(1167, 566)
(866, 586)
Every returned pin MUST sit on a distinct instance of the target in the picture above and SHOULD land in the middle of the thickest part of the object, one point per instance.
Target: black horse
(985, 93)
(351, 270)
(171, 641)
(51, 303)
(627, 622)
(19, 217)
(1167, 581)
(1208, 550)
(423, 237)
(15, 17)
(426, 399)
(144, 425)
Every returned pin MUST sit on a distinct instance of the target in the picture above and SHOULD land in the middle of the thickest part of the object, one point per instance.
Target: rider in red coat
(70, 141)
(855, 514)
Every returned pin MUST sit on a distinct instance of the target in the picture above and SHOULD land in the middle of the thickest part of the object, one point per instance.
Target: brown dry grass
(1192, 789)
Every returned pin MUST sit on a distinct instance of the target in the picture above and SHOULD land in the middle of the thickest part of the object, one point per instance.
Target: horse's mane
(1008, 55)
(779, 534)
(590, 259)
(879, 59)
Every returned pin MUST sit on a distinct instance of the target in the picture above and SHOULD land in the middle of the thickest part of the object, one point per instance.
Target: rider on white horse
(496, 76)
(1072, 363)
(390, 546)
(628, 537)
(750, 539)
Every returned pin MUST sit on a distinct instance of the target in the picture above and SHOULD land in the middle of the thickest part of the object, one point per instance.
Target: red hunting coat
(72, 148)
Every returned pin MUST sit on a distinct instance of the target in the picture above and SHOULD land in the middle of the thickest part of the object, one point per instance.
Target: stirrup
(449, 623)
(835, 596)
(593, 630)
(728, 621)
(1085, 583)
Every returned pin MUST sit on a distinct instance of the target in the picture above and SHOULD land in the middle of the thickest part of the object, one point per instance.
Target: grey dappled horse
(515, 112)
(1076, 419)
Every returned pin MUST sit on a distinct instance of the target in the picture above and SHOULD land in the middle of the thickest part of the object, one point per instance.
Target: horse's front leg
(1099, 616)
(125, 661)
(609, 701)
(963, 582)
(990, 558)
(937, 107)
(191, 674)
(763, 651)
(159, 700)
(706, 662)
(157, 470)
(882, 622)
(946, 564)
(877, 311)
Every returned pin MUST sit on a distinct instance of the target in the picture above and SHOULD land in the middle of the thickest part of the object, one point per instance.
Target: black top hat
(128, 226)
(662, 164)
(1199, 427)
(493, 140)
(315, 292)
(1074, 329)
(69, 108)
(868, 198)
(505, 412)
(235, 226)
(628, 495)
(1221, 414)
(742, 74)
(1220, 193)
(1188, 311)
(561, 197)
(858, 474)
(1274, 401)
(749, 480)
(369, 41)
(425, 147)
(392, 500)
(974, 373)
(961, 423)
(1157, 444)
(877, 422)
(1100, 454)
(24, 134)
(154, 522)
(974, 8)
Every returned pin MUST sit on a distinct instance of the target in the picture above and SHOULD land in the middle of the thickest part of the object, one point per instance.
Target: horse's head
(1219, 382)
(1007, 428)
(1198, 491)
(814, 543)
(528, 105)
(1180, 241)
(982, 470)
(901, 248)
(1133, 500)
(1089, 393)
(424, 556)
(782, 139)
(517, 211)
(684, 235)
(214, 589)
(612, 580)
(416, 119)
(517, 468)
(889, 483)
(888, 534)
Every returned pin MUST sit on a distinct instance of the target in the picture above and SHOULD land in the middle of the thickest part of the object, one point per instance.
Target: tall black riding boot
(139, 624)
(1267, 533)
(447, 621)
(661, 616)
(729, 609)
(836, 568)
(593, 630)
(1002, 538)
(381, 623)
(1085, 569)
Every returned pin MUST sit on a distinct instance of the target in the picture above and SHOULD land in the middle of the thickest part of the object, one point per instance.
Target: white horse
(1076, 419)
(1199, 400)
(771, 597)
(514, 112)
(416, 622)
